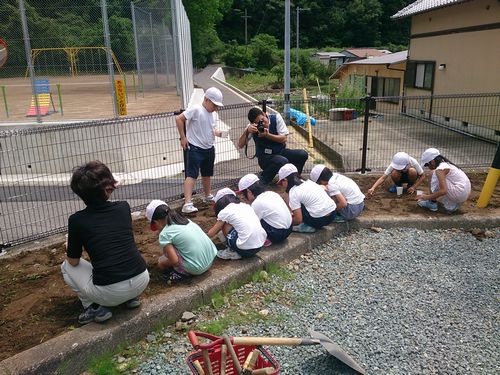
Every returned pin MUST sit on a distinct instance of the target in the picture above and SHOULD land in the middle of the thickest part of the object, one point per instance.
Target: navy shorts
(232, 236)
(275, 235)
(316, 222)
(198, 159)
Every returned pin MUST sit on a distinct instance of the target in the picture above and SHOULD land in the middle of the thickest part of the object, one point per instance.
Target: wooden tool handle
(234, 357)
(293, 341)
(250, 362)
(223, 359)
(207, 362)
(198, 367)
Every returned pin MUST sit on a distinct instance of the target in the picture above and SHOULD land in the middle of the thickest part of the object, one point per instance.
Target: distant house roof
(364, 52)
(387, 59)
(328, 54)
(422, 6)
(390, 58)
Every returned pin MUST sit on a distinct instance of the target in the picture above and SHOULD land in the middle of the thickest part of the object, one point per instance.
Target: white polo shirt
(313, 197)
(200, 126)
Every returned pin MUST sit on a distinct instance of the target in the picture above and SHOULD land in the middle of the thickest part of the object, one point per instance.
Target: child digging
(187, 250)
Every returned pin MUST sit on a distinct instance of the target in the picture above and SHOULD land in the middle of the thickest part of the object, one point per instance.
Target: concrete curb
(71, 352)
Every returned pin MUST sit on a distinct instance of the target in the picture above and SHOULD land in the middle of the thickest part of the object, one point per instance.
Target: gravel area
(399, 301)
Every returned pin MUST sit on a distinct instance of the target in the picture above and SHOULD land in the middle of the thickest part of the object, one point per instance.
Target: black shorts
(198, 159)
(316, 222)
(275, 235)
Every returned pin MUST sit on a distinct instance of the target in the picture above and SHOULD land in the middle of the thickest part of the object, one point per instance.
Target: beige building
(454, 46)
(379, 76)
(454, 49)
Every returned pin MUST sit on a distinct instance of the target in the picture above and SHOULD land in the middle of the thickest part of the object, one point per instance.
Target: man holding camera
(269, 133)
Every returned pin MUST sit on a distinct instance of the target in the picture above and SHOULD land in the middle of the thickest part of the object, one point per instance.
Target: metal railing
(145, 154)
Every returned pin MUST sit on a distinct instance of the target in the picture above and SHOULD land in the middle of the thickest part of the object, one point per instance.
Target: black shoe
(133, 303)
(95, 313)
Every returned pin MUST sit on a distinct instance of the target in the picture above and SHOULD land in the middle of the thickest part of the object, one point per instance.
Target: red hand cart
(213, 347)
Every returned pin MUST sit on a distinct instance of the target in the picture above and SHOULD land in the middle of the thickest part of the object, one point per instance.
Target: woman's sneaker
(94, 313)
(228, 254)
(303, 228)
(453, 208)
(209, 199)
(189, 208)
(133, 303)
(430, 205)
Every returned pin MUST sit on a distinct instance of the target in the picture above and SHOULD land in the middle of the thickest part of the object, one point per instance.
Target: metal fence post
(5, 101)
(107, 42)
(29, 60)
(136, 45)
(153, 45)
(368, 100)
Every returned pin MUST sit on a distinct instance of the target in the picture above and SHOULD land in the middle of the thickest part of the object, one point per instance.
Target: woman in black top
(116, 272)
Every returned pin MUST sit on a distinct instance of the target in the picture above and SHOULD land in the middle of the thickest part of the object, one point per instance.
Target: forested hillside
(216, 25)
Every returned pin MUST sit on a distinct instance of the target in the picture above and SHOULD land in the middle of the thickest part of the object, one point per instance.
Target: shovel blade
(335, 350)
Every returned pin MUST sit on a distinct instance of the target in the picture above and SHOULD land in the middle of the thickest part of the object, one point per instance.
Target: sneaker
(430, 205)
(392, 189)
(209, 199)
(303, 228)
(133, 303)
(267, 242)
(189, 208)
(228, 254)
(339, 219)
(96, 313)
(171, 275)
(453, 208)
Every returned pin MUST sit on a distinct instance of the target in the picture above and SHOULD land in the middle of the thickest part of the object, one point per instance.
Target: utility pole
(297, 52)
(246, 17)
(287, 62)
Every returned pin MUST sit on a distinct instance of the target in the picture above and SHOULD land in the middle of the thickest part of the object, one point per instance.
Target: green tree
(238, 56)
(264, 48)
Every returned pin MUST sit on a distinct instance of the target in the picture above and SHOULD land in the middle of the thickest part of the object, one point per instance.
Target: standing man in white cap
(449, 184)
(403, 169)
(197, 132)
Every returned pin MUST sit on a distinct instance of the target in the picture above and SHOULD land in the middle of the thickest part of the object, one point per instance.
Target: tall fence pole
(367, 100)
(136, 46)
(153, 46)
(165, 40)
(107, 43)
(287, 62)
(29, 61)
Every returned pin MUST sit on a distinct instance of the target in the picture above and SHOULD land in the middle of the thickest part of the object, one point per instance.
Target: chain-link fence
(145, 154)
(63, 59)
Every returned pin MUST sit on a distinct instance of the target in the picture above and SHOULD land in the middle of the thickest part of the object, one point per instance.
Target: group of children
(117, 273)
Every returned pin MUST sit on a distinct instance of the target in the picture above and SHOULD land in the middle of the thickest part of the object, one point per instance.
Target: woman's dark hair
(224, 201)
(256, 189)
(172, 216)
(93, 182)
(253, 113)
(293, 180)
(325, 175)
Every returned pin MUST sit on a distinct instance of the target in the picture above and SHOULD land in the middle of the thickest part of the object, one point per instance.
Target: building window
(420, 74)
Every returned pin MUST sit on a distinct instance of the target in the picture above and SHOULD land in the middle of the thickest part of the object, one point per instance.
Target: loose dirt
(37, 305)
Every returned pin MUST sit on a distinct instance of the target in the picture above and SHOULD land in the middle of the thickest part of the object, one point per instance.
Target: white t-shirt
(413, 163)
(457, 182)
(200, 126)
(340, 184)
(271, 208)
(313, 197)
(242, 217)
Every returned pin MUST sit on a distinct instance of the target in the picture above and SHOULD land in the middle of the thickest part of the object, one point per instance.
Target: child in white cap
(403, 169)
(348, 197)
(311, 206)
(270, 208)
(186, 249)
(197, 130)
(239, 224)
(449, 184)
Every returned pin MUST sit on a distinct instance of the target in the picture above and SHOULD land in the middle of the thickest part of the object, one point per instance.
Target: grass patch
(233, 317)
(252, 82)
(103, 365)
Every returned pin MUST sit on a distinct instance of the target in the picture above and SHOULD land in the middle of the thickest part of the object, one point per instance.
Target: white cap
(152, 206)
(429, 154)
(400, 160)
(246, 181)
(214, 95)
(286, 171)
(222, 192)
(316, 172)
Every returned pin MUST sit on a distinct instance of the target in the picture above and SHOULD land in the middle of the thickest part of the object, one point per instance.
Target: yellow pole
(490, 182)
(308, 120)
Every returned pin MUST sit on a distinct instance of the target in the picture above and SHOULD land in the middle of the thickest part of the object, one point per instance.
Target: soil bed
(37, 305)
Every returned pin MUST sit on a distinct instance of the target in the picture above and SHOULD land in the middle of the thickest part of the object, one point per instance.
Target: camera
(260, 126)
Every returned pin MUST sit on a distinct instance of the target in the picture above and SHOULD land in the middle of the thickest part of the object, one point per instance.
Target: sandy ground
(37, 305)
(84, 97)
